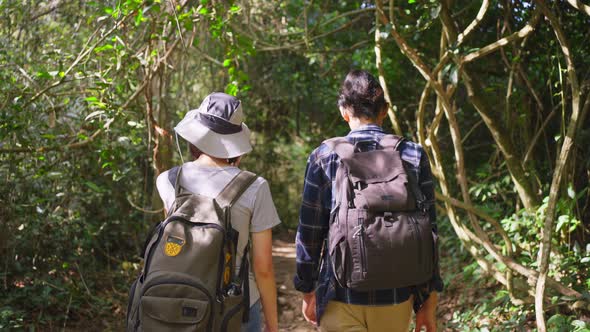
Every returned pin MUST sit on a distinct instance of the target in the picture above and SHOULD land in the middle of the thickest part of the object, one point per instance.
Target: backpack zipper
(418, 236)
(361, 235)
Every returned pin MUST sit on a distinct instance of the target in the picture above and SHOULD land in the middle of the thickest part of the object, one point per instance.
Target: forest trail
(290, 317)
(289, 300)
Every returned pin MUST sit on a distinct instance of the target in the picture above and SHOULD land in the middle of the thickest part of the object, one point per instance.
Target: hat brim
(214, 144)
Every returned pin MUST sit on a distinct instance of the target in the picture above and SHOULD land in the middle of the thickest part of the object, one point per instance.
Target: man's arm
(312, 229)
(313, 225)
(428, 294)
(426, 183)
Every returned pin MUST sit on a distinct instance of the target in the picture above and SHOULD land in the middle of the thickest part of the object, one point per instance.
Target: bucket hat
(216, 127)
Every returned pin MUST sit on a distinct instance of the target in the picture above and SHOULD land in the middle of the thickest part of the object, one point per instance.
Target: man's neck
(356, 123)
(206, 160)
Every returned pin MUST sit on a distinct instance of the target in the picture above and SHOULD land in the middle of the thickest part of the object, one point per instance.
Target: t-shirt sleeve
(264, 214)
(165, 189)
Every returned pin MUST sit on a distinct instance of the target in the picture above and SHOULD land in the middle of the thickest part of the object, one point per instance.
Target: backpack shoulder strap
(235, 188)
(391, 141)
(174, 178)
(341, 146)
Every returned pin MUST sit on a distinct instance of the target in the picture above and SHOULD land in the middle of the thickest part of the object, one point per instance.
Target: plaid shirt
(318, 201)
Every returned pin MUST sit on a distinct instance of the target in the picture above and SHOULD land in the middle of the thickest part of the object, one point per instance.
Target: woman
(218, 140)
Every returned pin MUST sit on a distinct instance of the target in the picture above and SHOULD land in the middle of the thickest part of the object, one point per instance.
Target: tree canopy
(497, 92)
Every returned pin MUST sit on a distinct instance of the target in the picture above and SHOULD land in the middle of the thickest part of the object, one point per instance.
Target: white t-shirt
(253, 212)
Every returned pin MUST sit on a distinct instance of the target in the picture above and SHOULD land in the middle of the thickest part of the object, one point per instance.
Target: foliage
(90, 92)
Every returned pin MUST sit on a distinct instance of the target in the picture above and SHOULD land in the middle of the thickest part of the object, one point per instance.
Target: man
(325, 302)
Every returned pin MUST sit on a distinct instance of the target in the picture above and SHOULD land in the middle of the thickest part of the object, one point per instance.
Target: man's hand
(426, 317)
(308, 308)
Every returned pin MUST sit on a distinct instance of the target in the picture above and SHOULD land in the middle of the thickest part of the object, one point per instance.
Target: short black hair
(362, 94)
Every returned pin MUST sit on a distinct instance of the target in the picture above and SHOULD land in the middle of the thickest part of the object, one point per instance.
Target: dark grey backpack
(380, 235)
(189, 282)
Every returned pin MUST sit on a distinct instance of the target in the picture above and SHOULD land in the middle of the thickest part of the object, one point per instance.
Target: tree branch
(580, 6)
(81, 56)
(475, 23)
(80, 144)
(379, 63)
(474, 89)
(518, 35)
(545, 248)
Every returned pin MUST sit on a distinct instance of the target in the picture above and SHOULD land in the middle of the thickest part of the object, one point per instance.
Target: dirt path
(290, 317)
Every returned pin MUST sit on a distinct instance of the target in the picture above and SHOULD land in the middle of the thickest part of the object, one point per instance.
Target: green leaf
(103, 48)
(226, 62)
(93, 186)
(139, 18)
(43, 74)
(231, 89)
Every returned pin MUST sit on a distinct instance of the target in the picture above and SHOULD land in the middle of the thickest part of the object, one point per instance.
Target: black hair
(362, 94)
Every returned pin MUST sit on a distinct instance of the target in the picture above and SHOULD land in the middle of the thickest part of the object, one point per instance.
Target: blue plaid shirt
(318, 201)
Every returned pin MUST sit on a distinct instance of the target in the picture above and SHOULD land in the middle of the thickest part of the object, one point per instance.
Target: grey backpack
(189, 282)
(380, 235)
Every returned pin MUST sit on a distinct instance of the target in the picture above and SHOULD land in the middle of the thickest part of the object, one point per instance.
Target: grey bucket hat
(216, 127)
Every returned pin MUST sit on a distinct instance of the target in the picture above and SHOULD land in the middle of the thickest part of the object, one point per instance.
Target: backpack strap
(245, 279)
(341, 146)
(235, 188)
(226, 199)
(394, 142)
(421, 203)
(391, 141)
(174, 178)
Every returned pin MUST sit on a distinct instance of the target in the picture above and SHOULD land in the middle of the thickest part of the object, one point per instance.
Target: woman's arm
(265, 276)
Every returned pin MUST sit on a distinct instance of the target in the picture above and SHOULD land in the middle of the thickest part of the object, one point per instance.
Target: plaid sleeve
(313, 224)
(426, 184)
